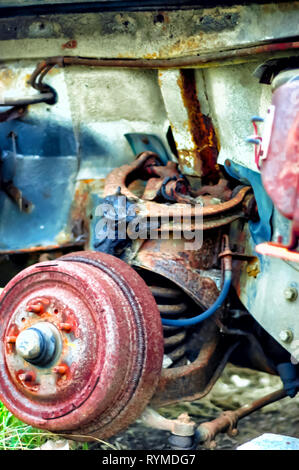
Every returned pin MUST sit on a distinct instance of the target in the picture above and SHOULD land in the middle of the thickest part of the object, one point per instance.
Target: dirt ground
(235, 388)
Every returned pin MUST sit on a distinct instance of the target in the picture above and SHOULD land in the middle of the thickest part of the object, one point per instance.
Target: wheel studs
(38, 306)
(61, 370)
(11, 339)
(67, 327)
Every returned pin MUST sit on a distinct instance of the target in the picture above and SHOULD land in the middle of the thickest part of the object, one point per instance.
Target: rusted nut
(38, 306)
(67, 327)
(61, 370)
(253, 269)
(11, 339)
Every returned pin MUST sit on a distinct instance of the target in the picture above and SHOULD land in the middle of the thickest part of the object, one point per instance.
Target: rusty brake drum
(81, 345)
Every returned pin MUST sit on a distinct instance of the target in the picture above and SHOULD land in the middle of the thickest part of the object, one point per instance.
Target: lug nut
(61, 370)
(11, 339)
(37, 308)
(65, 327)
(290, 294)
(286, 336)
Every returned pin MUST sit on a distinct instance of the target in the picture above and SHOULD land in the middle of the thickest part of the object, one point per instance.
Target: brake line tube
(203, 316)
(226, 256)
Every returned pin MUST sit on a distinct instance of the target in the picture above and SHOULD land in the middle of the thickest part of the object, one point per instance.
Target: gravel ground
(235, 388)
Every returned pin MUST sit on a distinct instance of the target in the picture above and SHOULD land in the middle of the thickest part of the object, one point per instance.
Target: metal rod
(227, 421)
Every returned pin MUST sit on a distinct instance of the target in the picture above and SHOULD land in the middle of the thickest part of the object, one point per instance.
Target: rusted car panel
(188, 246)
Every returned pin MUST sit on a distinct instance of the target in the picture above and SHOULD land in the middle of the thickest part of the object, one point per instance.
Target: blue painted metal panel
(147, 142)
(261, 231)
(48, 182)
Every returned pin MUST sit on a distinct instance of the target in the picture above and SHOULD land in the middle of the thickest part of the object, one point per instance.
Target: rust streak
(200, 127)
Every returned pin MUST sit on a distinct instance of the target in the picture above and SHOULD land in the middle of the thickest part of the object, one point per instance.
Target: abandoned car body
(149, 209)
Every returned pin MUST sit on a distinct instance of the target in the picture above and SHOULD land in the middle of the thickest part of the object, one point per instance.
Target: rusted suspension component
(174, 339)
(219, 190)
(120, 178)
(193, 381)
(228, 420)
(165, 292)
(172, 309)
(181, 426)
(82, 345)
(183, 267)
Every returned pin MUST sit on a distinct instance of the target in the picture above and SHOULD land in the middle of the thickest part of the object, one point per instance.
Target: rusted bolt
(253, 269)
(61, 370)
(11, 339)
(286, 336)
(37, 308)
(290, 294)
(65, 327)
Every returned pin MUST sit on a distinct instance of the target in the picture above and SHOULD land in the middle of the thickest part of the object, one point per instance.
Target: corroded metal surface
(120, 177)
(195, 380)
(201, 129)
(112, 345)
(253, 280)
(193, 131)
(148, 34)
(227, 421)
(171, 260)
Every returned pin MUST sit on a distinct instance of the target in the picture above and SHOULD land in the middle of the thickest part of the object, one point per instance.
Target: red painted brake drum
(95, 345)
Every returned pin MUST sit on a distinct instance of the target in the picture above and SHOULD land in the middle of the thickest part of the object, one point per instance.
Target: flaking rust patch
(201, 129)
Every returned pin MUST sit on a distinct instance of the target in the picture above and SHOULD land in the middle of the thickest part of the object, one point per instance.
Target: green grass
(15, 435)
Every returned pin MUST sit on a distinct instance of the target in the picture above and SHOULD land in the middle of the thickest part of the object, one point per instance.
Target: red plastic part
(112, 354)
(280, 169)
(277, 251)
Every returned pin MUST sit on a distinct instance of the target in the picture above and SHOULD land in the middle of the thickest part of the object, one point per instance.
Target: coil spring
(172, 303)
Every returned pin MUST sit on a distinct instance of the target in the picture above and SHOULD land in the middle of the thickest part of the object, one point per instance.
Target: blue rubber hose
(204, 315)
